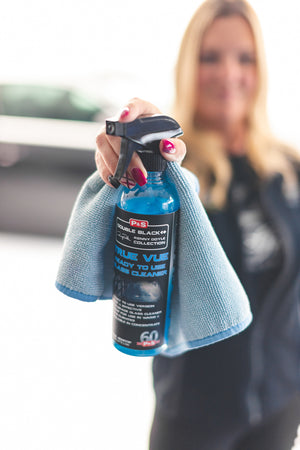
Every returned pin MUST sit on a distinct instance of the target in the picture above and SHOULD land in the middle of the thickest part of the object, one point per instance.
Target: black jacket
(226, 387)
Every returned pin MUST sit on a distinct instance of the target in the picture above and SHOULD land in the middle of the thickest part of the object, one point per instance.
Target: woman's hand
(108, 147)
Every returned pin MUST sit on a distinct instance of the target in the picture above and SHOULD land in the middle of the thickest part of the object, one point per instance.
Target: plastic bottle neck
(155, 177)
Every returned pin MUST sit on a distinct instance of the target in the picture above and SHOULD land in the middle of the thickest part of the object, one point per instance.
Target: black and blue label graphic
(143, 259)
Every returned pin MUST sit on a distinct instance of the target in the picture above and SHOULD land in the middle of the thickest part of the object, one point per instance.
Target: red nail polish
(124, 113)
(168, 146)
(138, 176)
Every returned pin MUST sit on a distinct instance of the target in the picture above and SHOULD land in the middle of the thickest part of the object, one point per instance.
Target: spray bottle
(145, 224)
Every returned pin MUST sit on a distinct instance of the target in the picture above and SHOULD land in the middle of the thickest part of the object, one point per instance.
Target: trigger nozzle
(114, 181)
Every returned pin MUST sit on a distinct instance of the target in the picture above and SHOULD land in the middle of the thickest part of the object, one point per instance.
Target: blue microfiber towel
(208, 300)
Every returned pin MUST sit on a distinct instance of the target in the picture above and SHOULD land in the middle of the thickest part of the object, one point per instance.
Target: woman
(241, 393)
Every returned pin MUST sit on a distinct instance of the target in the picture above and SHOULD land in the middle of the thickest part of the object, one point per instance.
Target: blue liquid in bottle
(144, 263)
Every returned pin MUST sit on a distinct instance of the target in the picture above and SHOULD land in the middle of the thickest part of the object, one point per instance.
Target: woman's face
(226, 77)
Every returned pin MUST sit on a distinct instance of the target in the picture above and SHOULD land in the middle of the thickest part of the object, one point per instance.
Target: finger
(128, 181)
(114, 145)
(109, 146)
(173, 149)
(137, 107)
(102, 168)
(105, 173)
(138, 173)
(109, 153)
(107, 156)
(135, 169)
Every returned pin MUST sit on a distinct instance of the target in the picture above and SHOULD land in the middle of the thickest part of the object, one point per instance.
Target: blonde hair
(206, 156)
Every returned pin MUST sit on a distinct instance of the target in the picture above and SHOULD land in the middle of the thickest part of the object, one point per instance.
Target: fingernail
(124, 113)
(139, 177)
(168, 146)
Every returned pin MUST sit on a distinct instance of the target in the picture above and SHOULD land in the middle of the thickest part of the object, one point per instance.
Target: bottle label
(144, 247)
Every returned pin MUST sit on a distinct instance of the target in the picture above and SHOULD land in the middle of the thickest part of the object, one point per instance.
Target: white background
(128, 48)
(62, 385)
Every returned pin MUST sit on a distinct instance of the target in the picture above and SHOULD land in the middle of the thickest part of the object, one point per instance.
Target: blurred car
(48, 102)
(47, 141)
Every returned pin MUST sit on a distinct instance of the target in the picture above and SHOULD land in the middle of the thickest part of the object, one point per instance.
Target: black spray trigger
(141, 135)
(126, 152)
(114, 182)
